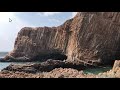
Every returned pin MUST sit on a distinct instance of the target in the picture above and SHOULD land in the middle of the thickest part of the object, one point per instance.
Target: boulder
(116, 64)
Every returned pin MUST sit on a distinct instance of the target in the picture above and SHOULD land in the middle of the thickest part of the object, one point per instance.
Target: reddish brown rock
(56, 73)
(90, 37)
(116, 64)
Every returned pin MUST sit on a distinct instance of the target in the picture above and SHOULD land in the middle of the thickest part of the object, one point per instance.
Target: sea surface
(97, 70)
(93, 71)
(2, 54)
(3, 64)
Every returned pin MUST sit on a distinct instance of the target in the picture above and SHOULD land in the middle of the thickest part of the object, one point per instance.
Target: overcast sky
(9, 30)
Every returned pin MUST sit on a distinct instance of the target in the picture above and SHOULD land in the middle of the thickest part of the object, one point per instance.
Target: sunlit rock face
(91, 37)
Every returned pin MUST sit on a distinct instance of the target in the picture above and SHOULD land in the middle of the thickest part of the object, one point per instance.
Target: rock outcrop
(46, 66)
(56, 73)
(113, 73)
(90, 37)
(116, 64)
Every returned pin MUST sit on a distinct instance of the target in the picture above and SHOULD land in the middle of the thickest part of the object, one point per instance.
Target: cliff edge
(89, 37)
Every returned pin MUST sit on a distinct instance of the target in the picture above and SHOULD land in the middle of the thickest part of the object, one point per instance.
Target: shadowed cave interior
(45, 56)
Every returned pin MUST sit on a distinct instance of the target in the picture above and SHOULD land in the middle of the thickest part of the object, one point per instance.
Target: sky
(9, 30)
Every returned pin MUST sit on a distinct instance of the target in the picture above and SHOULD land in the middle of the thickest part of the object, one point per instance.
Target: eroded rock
(92, 37)
(116, 64)
(46, 66)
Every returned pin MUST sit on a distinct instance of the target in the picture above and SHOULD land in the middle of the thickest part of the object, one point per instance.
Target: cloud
(73, 14)
(48, 13)
(9, 30)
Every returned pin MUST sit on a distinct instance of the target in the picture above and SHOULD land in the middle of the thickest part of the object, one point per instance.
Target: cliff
(90, 37)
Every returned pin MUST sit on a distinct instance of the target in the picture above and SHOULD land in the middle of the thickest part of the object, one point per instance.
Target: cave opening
(108, 61)
(117, 53)
(116, 57)
(53, 56)
(110, 56)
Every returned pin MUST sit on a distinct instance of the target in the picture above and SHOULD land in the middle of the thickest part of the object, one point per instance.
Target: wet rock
(20, 68)
(43, 66)
(2, 59)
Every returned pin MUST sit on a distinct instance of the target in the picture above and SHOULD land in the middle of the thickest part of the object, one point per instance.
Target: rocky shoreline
(59, 73)
(89, 40)
(54, 69)
(92, 37)
(55, 73)
(47, 66)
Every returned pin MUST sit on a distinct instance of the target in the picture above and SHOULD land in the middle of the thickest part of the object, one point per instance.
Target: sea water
(97, 70)
(3, 64)
(3, 54)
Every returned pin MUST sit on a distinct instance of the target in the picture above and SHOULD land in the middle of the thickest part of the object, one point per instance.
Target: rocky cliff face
(90, 37)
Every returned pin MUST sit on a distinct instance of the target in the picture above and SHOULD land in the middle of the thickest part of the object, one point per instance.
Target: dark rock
(1, 59)
(45, 57)
(43, 67)
(20, 68)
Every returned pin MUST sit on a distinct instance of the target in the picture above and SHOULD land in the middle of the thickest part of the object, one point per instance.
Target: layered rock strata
(89, 37)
